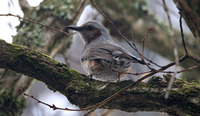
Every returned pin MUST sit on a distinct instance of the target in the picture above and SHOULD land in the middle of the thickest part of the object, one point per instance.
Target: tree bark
(190, 11)
(84, 92)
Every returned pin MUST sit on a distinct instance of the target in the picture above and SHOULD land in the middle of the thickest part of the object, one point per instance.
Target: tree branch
(83, 92)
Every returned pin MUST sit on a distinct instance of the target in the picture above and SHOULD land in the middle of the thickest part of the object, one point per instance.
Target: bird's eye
(90, 27)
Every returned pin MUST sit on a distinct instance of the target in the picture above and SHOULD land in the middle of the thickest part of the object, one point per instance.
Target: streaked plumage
(102, 57)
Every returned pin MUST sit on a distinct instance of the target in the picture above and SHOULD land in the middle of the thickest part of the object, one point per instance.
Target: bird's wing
(109, 52)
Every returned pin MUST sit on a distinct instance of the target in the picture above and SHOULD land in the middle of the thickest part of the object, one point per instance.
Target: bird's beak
(73, 28)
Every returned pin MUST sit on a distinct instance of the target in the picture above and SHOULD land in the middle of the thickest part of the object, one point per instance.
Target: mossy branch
(84, 92)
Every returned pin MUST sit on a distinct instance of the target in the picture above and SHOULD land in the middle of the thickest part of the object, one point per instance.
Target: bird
(103, 59)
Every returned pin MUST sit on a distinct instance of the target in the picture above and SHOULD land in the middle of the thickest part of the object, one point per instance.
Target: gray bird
(102, 58)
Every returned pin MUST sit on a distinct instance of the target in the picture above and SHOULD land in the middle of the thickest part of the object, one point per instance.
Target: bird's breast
(92, 66)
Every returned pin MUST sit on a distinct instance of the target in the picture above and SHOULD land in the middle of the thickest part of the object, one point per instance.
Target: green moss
(179, 83)
(189, 90)
(157, 82)
(77, 75)
(79, 81)
(11, 105)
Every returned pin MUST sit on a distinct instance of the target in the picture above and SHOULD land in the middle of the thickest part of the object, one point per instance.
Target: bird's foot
(90, 76)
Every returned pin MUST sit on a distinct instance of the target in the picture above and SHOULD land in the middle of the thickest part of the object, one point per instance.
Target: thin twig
(193, 57)
(182, 35)
(188, 69)
(146, 36)
(135, 46)
(51, 106)
(143, 43)
(139, 73)
(171, 33)
(142, 56)
(35, 23)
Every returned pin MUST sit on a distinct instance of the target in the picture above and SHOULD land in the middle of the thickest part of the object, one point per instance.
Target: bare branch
(143, 41)
(188, 69)
(46, 104)
(146, 36)
(182, 35)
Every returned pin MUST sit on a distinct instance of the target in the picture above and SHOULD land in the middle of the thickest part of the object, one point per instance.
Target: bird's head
(91, 31)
